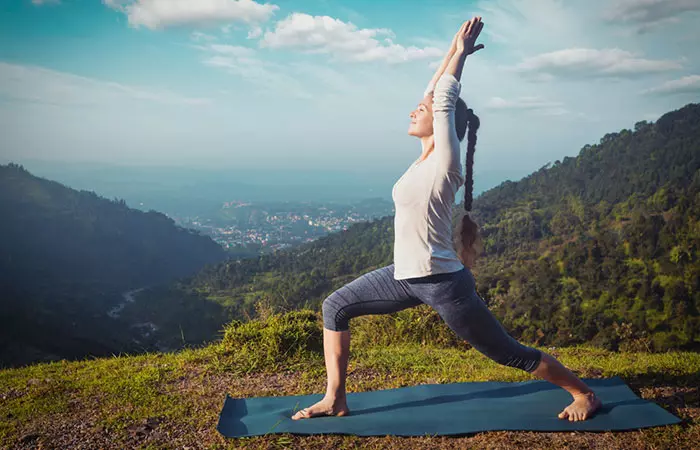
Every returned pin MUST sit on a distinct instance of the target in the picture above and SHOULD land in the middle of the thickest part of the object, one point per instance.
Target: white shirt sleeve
(445, 96)
(429, 89)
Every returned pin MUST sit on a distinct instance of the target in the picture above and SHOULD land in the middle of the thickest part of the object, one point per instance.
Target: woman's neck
(428, 144)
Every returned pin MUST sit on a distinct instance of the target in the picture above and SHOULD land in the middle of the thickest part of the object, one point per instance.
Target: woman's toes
(322, 408)
(302, 414)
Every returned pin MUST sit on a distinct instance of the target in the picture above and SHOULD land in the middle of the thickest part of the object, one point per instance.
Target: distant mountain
(199, 191)
(630, 162)
(602, 247)
(181, 191)
(66, 256)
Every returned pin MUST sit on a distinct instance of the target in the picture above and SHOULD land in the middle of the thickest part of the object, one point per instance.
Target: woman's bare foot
(326, 407)
(583, 406)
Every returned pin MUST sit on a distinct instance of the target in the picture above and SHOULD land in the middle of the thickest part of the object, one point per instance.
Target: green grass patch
(123, 390)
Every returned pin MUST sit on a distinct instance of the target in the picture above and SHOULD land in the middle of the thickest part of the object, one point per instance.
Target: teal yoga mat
(445, 409)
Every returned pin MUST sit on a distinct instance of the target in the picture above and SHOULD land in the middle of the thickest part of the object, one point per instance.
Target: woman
(426, 268)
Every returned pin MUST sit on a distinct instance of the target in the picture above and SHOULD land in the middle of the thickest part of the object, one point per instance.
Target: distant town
(261, 227)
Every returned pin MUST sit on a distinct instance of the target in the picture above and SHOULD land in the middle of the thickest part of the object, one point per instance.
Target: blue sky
(329, 84)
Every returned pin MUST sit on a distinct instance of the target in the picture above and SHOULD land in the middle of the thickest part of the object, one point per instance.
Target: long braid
(468, 239)
(472, 126)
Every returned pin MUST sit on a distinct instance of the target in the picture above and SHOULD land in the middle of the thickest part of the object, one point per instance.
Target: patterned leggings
(452, 295)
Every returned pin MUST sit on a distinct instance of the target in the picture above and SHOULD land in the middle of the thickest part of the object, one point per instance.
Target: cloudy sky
(329, 84)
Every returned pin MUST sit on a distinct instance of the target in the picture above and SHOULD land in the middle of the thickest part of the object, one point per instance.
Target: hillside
(172, 400)
(639, 161)
(67, 256)
(602, 248)
(599, 248)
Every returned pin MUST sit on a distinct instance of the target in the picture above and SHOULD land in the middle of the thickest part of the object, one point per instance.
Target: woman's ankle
(555, 372)
(336, 395)
(589, 393)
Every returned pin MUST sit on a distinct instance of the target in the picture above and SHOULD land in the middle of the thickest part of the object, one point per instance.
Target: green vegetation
(172, 400)
(602, 247)
(65, 258)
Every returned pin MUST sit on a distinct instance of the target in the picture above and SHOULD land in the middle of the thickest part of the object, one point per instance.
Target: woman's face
(422, 118)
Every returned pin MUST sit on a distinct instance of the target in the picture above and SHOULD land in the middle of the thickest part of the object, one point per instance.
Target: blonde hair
(467, 240)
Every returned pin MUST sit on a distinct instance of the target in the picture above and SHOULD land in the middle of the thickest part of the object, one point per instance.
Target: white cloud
(199, 36)
(438, 43)
(586, 62)
(685, 85)
(538, 104)
(231, 50)
(163, 13)
(244, 63)
(532, 24)
(255, 32)
(337, 81)
(344, 41)
(646, 15)
(521, 103)
(37, 84)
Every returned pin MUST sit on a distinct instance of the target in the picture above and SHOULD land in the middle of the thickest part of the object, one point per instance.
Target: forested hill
(599, 248)
(603, 247)
(72, 237)
(66, 256)
(622, 164)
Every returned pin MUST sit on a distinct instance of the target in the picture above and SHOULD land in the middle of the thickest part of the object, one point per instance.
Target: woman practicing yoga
(427, 268)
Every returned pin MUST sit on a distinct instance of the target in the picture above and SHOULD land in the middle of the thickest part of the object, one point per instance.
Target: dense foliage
(65, 257)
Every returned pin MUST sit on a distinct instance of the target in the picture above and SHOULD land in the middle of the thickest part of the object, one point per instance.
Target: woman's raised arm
(464, 46)
(447, 91)
(448, 57)
(440, 70)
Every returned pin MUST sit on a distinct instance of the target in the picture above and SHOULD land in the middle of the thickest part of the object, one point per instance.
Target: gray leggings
(453, 295)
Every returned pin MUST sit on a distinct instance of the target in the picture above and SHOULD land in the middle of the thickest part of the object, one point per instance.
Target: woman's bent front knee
(333, 317)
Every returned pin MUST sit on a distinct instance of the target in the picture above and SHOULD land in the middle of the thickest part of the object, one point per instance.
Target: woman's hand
(465, 39)
(453, 46)
(467, 35)
(462, 40)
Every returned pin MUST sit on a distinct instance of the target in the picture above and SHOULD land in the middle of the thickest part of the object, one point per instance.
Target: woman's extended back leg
(460, 306)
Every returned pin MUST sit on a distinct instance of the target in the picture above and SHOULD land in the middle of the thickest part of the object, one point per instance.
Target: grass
(172, 400)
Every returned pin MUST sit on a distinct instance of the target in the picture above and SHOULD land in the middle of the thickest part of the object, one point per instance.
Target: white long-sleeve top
(424, 194)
